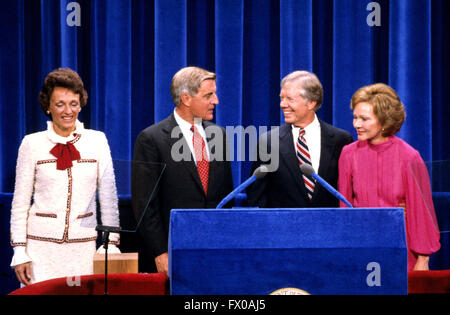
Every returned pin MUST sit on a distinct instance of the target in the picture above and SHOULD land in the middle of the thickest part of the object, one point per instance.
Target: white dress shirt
(189, 135)
(313, 141)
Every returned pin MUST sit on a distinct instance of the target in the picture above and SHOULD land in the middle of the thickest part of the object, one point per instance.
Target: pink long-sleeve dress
(392, 174)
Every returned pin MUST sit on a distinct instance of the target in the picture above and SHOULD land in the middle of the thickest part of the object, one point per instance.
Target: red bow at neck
(65, 154)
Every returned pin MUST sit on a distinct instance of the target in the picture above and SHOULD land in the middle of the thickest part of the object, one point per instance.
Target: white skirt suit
(53, 213)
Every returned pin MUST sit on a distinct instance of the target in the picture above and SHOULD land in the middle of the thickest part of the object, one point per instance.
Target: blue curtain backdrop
(127, 51)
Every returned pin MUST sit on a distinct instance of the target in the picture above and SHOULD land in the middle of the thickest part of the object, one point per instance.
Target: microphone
(259, 173)
(309, 171)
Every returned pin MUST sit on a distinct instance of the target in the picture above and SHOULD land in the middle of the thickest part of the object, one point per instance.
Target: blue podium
(252, 251)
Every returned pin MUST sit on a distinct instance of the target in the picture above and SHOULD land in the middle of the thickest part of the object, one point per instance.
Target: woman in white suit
(58, 173)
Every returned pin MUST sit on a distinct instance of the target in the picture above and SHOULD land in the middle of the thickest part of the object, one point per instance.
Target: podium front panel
(248, 251)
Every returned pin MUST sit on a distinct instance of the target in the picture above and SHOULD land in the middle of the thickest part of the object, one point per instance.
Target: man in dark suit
(303, 139)
(197, 173)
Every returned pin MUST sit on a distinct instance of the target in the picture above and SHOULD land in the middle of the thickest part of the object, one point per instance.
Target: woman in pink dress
(381, 170)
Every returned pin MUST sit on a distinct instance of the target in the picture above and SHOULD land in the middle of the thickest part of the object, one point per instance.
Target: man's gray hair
(312, 89)
(188, 80)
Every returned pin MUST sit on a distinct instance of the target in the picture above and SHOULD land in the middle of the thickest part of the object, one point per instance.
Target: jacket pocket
(85, 215)
(46, 215)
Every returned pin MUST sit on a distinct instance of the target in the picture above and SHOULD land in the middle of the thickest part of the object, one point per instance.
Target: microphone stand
(105, 240)
(236, 191)
(259, 173)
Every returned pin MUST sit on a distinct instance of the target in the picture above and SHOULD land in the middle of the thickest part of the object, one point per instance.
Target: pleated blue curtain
(440, 78)
(353, 63)
(296, 36)
(229, 67)
(413, 69)
(127, 51)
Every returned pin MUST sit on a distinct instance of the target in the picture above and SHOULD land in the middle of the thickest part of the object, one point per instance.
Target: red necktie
(65, 154)
(201, 158)
(304, 157)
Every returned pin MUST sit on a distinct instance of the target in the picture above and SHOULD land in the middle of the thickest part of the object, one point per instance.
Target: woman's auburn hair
(387, 106)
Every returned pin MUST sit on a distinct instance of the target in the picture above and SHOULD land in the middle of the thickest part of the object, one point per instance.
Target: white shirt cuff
(112, 249)
(20, 256)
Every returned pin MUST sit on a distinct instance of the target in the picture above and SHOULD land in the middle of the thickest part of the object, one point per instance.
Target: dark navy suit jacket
(179, 186)
(284, 187)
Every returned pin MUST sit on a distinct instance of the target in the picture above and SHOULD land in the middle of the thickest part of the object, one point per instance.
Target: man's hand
(162, 263)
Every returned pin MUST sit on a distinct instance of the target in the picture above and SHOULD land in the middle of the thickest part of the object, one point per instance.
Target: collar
(55, 138)
(184, 125)
(313, 126)
(380, 147)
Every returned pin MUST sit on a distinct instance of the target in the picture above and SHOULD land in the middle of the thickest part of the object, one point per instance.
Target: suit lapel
(326, 151)
(326, 147)
(212, 165)
(218, 155)
(190, 165)
(289, 157)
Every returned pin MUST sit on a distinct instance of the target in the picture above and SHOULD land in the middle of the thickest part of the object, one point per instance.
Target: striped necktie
(304, 157)
(201, 157)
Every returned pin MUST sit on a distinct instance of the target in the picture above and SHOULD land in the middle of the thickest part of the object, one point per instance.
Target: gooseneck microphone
(259, 173)
(309, 171)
